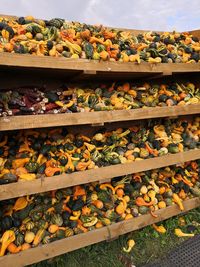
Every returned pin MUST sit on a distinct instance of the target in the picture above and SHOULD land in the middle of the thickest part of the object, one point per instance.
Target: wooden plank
(56, 248)
(47, 62)
(94, 118)
(66, 180)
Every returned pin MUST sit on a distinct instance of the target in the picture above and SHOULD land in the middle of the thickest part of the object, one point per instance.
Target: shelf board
(101, 174)
(98, 117)
(110, 232)
(85, 67)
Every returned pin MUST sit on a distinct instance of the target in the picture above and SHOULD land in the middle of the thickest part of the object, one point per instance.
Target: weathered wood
(66, 180)
(89, 66)
(56, 248)
(94, 118)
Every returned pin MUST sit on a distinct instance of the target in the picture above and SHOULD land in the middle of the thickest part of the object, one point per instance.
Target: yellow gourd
(178, 232)
(160, 229)
(29, 237)
(131, 244)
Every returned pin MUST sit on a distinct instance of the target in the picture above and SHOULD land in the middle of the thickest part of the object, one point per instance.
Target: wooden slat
(56, 248)
(100, 117)
(66, 180)
(47, 62)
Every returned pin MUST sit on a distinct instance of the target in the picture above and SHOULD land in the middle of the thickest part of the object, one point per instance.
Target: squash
(31, 166)
(19, 240)
(8, 178)
(38, 237)
(143, 190)
(98, 204)
(27, 176)
(42, 224)
(178, 232)
(53, 228)
(131, 244)
(160, 229)
(12, 248)
(173, 148)
(25, 246)
(6, 222)
(57, 219)
(7, 238)
(17, 163)
(30, 225)
(143, 209)
(20, 203)
(29, 237)
(60, 233)
(22, 214)
(178, 201)
(35, 215)
(68, 232)
(141, 202)
(161, 204)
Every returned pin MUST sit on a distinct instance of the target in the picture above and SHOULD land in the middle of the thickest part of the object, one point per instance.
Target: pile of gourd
(25, 101)
(39, 219)
(31, 154)
(58, 37)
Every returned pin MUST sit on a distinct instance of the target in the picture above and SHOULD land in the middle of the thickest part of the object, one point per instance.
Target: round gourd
(57, 219)
(60, 234)
(69, 232)
(143, 190)
(161, 205)
(53, 228)
(143, 209)
(19, 239)
(6, 222)
(168, 201)
(30, 225)
(29, 237)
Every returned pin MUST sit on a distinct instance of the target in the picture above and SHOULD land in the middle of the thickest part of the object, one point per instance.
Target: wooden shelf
(101, 69)
(98, 117)
(101, 174)
(110, 232)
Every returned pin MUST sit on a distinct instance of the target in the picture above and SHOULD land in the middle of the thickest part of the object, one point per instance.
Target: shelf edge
(66, 180)
(56, 248)
(50, 120)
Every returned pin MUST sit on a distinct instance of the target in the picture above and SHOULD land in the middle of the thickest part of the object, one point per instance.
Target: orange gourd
(50, 171)
(17, 163)
(141, 202)
(99, 225)
(120, 192)
(162, 190)
(120, 209)
(53, 228)
(78, 191)
(20, 203)
(12, 248)
(86, 210)
(25, 246)
(98, 204)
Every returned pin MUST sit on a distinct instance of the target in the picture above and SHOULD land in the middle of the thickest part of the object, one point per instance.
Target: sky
(163, 15)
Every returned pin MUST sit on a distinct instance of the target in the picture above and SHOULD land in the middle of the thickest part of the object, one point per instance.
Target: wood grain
(66, 180)
(56, 248)
(100, 117)
(47, 62)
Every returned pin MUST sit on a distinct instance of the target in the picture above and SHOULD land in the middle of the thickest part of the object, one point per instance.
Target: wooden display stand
(83, 69)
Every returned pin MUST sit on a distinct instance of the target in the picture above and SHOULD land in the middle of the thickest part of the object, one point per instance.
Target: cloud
(163, 15)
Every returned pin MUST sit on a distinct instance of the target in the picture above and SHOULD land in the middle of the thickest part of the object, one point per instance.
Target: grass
(149, 247)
